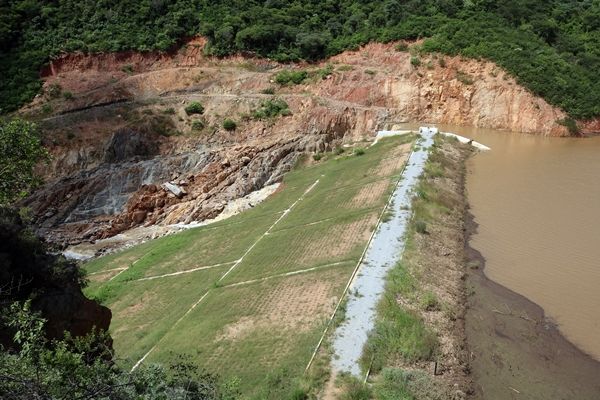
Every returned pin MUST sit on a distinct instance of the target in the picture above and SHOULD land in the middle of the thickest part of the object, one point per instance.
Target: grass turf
(259, 329)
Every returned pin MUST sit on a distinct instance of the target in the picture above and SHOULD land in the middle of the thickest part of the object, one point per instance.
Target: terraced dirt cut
(248, 297)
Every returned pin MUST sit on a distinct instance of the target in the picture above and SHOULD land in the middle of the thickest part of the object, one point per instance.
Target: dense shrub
(20, 150)
(571, 126)
(83, 368)
(197, 125)
(421, 227)
(229, 124)
(287, 77)
(194, 108)
(271, 108)
(552, 47)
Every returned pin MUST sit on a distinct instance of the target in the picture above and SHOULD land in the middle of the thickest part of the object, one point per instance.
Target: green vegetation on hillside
(271, 108)
(248, 297)
(20, 150)
(194, 108)
(44, 352)
(552, 47)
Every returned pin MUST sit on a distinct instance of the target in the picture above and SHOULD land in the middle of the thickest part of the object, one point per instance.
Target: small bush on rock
(194, 108)
(229, 124)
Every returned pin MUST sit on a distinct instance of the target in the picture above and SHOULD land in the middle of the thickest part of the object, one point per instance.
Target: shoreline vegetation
(551, 47)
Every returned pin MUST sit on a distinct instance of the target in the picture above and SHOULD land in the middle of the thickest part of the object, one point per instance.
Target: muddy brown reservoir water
(537, 203)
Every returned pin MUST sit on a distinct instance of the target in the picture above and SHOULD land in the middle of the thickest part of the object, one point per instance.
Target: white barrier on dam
(462, 139)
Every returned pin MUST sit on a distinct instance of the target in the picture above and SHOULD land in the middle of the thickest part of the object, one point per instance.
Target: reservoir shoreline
(512, 348)
(515, 351)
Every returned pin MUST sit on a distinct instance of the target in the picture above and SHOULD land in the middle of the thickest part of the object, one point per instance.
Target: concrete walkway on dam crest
(383, 252)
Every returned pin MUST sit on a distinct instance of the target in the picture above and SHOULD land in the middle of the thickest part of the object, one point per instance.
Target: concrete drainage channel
(382, 253)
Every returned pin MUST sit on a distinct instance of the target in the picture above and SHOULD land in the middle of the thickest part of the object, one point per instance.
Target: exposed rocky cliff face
(127, 154)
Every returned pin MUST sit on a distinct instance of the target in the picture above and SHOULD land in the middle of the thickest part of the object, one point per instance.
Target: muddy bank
(515, 352)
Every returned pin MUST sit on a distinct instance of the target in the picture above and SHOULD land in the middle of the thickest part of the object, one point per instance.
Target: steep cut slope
(117, 126)
(551, 46)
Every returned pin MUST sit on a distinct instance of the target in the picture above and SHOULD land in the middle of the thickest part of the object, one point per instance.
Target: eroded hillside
(118, 130)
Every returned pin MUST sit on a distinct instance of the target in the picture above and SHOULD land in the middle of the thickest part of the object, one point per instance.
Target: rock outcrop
(124, 142)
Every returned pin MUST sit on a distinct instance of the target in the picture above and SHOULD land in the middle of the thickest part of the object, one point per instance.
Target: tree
(312, 45)
(20, 150)
(194, 108)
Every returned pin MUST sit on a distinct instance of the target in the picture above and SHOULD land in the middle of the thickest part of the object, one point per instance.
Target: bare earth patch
(369, 195)
(339, 240)
(292, 305)
(238, 330)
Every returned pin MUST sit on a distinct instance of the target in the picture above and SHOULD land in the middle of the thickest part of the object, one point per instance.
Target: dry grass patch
(339, 240)
(290, 305)
(302, 247)
(370, 195)
(296, 303)
(393, 163)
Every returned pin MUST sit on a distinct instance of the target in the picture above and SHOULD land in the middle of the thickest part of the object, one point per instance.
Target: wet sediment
(515, 351)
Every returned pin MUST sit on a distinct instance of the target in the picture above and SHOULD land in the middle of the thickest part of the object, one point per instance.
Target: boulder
(177, 190)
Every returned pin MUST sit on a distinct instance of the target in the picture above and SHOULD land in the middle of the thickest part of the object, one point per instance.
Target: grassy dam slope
(248, 297)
